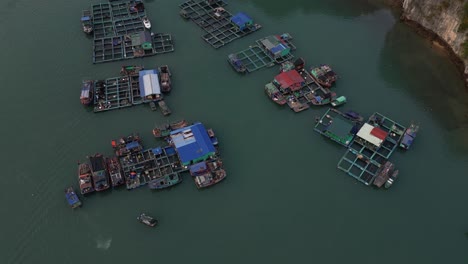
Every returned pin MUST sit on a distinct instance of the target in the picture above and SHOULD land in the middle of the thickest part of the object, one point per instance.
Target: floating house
(371, 136)
(289, 81)
(276, 46)
(192, 144)
(150, 89)
(142, 43)
(242, 21)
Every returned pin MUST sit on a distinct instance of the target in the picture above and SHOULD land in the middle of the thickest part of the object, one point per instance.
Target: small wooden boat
(184, 14)
(409, 136)
(115, 172)
(86, 22)
(147, 220)
(237, 64)
(146, 22)
(130, 70)
(338, 101)
(162, 131)
(153, 106)
(354, 116)
(132, 180)
(72, 198)
(87, 91)
(178, 124)
(164, 108)
(274, 93)
(165, 78)
(324, 75)
(84, 178)
(295, 105)
(165, 181)
(392, 179)
(218, 12)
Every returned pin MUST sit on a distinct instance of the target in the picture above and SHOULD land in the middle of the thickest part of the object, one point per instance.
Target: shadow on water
(342, 8)
(429, 76)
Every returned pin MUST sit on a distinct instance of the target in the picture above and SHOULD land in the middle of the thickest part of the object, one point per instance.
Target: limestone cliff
(445, 20)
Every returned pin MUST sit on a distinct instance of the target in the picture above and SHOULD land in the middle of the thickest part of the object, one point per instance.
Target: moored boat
(178, 124)
(86, 22)
(132, 180)
(322, 96)
(130, 70)
(84, 178)
(147, 220)
(353, 116)
(162, 131)
(409, 136)
(115, 172)
(99, 172)
(165, 78)
(324, 75)
(383, 173)
(87, 89)
(392, 179)
(164, 108)
(274, 93)
(236, 63)
(72, 198)
(146, 22)
(153, 106)
(213, 138)
(295, 105)
(165, 181)
(209, 178)
(338, 101)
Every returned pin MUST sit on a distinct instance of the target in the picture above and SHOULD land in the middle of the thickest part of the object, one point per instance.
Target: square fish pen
(221, 26)
(112, 93)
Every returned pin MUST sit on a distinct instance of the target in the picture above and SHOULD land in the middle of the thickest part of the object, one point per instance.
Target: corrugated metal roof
(240, 19)
(149, 82)
(192, 142)
(365, 133)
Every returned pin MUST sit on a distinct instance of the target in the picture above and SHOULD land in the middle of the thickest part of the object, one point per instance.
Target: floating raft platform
(373, 145)
(121, 92)
(119, 33)
(337, 127)
(259, 56)
(219, 24)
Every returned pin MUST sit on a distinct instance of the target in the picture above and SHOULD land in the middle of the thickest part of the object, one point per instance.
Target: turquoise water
(284, 200)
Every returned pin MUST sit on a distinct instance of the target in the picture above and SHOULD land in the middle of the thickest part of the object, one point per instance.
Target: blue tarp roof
(85, 18)
(169, 150)
(192, 142)
(157, 151)
(240, 19)
(197, 167)
(131, 145)
(278, 48)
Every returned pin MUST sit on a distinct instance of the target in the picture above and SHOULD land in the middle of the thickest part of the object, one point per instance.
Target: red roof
(379, 133)
(290, 79)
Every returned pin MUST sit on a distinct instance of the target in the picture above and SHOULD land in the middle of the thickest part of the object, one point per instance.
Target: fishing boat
(338, 101)
(209, 178)
(84, 178)
(354, 116)
(126, 144)
(274, 93)
(212, 137)
(392, 179)
(146, 22)
(184, 14)
(162, 131)
(86, 96)
(409, 136)
(147, 220)
(86, 22)
(178, 124)
(164, 108)
(72, 198)
(130, 70)
(165, 78)
(218, 12)
(237, 64)
(324, 75)
(383, 173)
(99, 172)
(115, 172)
(165, 181)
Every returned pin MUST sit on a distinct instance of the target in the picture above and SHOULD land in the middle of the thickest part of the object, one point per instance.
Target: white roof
(365, 133)
(151, 84)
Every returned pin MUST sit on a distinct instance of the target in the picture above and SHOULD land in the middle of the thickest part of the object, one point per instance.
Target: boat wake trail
(103, 243)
